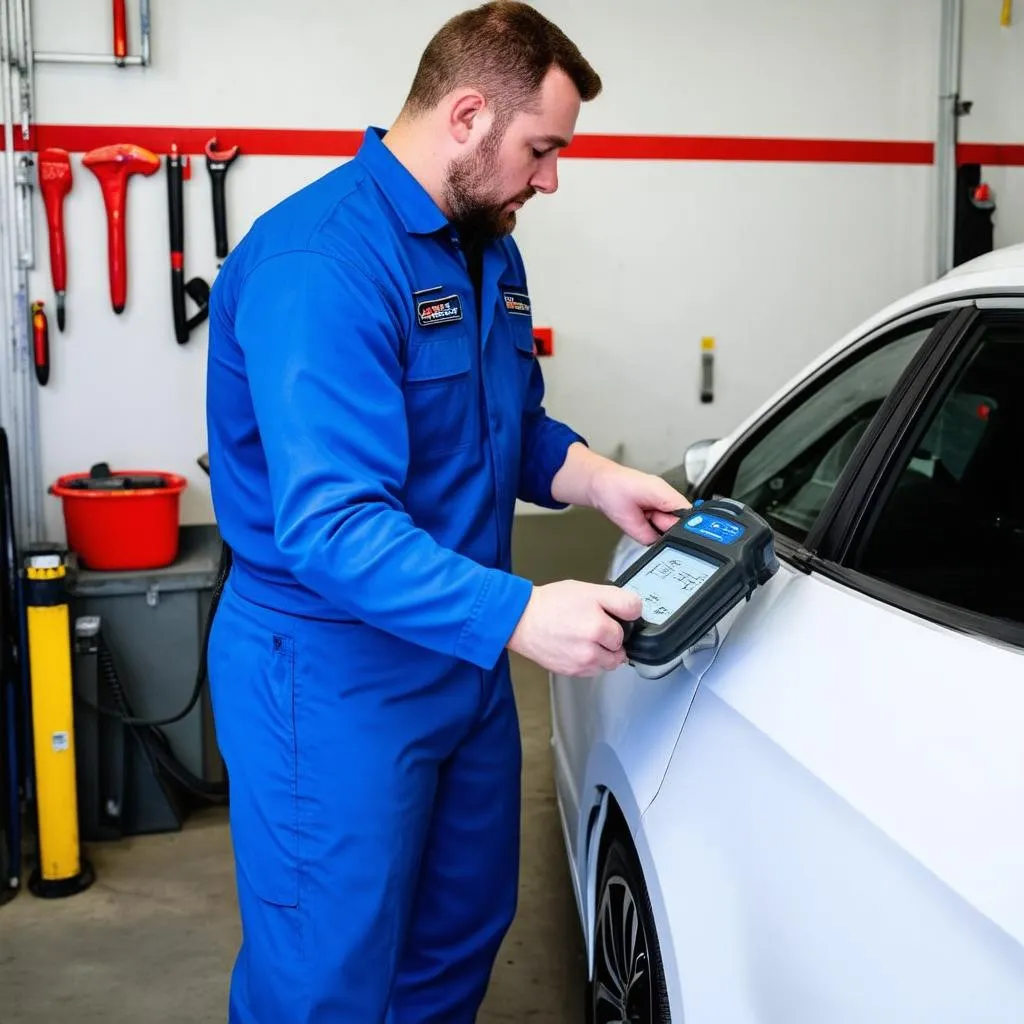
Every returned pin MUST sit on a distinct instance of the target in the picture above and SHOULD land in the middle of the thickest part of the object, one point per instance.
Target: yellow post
(61, 869)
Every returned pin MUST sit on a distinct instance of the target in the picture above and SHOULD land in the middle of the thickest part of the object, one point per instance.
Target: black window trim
(853, 519)
(846, 510)
(950, 312)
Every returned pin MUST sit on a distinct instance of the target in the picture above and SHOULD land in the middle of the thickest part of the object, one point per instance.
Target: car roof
(996, 272)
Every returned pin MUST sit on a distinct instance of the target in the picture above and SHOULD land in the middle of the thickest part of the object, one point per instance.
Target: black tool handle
(197, 288)
(217, 163)
(220, 216)
(175, 203)
(176, 216)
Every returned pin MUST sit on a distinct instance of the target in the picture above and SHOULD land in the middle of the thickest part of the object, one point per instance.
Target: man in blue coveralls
(374, 411)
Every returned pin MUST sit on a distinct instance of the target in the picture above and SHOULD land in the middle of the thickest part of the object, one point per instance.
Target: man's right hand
(567, 627)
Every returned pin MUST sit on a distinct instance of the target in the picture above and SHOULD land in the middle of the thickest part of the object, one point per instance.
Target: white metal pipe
(144, 22)
(21, 63)
(30, 70)
(45, 57)
(131, 60)
(21, 399)
(15, 421)
(947, 134)
(6, 272)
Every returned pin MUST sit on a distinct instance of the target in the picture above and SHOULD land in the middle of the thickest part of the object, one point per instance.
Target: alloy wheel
(622, 977)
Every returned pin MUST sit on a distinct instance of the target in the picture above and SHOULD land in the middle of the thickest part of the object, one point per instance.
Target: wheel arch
(613, 811)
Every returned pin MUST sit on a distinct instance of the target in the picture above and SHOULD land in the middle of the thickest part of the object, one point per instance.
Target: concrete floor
(155, 937)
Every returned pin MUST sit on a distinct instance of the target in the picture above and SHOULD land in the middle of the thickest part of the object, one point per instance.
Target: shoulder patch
(516, 302)
(445, 310)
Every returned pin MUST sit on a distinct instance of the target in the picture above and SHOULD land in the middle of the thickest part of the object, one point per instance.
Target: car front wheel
(629, 982)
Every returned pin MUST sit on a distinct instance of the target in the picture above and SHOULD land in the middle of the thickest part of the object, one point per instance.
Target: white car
(818, 817)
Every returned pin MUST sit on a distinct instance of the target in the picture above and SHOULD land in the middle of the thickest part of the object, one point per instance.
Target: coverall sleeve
(545, 443)
(322, 354)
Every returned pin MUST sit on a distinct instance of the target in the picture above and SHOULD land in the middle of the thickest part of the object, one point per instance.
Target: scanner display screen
(668, 581)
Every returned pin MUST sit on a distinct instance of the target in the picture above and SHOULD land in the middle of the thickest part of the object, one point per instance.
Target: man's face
(486, 188)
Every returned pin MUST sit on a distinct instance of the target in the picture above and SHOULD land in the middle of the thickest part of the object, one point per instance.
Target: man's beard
(477, 211)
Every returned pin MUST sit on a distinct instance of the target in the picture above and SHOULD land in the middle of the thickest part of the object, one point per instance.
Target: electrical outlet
(544, 341)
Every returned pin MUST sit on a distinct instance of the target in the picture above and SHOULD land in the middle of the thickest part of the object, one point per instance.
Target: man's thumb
(670, 500)
(622, 603)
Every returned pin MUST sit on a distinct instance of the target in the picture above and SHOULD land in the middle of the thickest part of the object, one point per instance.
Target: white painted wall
(631, 262)
(992, 77)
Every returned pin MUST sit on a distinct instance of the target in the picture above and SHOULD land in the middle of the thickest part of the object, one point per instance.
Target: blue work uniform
(371, 423)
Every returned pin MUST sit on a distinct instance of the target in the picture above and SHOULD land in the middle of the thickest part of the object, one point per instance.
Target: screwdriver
(41, 343)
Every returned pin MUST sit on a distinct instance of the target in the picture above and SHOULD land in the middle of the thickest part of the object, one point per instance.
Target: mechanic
(374, 411)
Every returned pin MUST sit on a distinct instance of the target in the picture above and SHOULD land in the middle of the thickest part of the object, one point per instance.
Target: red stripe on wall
(992, 154)
(710, 147)
(79, 138)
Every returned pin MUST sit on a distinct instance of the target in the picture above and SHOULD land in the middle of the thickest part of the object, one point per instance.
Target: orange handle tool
(40, 343)
(120, 30)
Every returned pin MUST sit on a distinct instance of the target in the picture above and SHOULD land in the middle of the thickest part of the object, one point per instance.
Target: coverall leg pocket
(252, 679)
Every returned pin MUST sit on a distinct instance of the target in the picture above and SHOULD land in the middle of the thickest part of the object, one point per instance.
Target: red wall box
(134, 528)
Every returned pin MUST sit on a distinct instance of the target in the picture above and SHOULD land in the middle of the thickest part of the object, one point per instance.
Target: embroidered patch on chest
(517, 302)
(446, 310)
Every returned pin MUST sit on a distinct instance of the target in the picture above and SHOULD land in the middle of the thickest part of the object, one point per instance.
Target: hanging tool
(197, 288)
(55, 183)
(113, 165)
(217, 163)
(120, 33)
(41, 343)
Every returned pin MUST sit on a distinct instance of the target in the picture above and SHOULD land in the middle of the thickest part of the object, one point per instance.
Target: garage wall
(992, 78)
(772, 244)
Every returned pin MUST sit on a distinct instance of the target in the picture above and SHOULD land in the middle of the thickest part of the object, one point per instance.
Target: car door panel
(617, 730)
(837, 836)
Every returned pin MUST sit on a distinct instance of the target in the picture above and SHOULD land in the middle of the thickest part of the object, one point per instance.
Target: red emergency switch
(544, 341)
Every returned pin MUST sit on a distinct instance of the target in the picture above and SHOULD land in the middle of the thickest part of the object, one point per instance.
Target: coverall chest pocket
(440, 392)
(522, 336)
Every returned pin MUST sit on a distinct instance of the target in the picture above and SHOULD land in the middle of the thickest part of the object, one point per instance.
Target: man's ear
(468, 115)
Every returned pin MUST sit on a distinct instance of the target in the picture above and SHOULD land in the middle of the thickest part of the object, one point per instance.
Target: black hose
(152, 738)
(147, 729)
(13, 664)
(107, 661)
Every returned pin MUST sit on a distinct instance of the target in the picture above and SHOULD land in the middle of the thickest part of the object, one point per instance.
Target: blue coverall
(370, 427)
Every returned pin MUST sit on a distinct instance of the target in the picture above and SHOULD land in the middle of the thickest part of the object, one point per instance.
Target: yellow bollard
(61, 869)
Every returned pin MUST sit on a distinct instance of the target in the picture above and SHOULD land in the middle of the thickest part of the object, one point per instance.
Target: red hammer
(55, 184)
(113, 165)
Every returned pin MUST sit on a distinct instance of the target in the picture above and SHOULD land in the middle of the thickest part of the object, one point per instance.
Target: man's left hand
(636, 502)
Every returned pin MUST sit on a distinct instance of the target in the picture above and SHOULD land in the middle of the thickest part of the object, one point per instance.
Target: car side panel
(777, 902)
(838, 835)
(616, 733)
(613, 734)
(614, 730)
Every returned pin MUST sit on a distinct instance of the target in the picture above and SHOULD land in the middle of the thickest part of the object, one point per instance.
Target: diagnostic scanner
(717, 555)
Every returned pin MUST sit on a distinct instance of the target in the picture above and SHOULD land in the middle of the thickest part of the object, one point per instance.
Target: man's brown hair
(504, 49)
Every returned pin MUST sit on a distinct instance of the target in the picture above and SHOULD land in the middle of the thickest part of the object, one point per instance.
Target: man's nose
(546, 178)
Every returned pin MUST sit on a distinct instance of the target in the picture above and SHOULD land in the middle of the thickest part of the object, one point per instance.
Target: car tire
(629, 979)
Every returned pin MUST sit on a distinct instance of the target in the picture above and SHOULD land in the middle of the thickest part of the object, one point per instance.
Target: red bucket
(128, 519)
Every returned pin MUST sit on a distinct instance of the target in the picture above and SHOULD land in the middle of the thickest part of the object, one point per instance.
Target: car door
(618, 730)
(844, 800)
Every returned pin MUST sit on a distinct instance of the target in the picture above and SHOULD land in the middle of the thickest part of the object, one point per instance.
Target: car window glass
(790, 471)
(952, 528)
